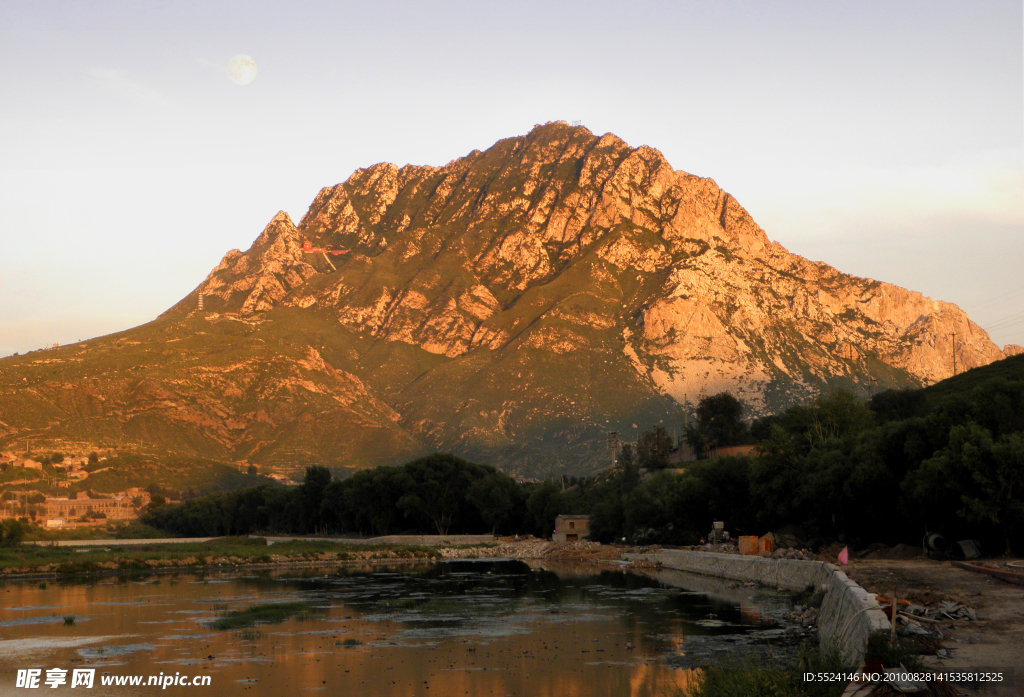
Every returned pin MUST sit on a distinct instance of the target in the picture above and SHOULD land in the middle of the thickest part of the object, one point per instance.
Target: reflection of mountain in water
(501, 597)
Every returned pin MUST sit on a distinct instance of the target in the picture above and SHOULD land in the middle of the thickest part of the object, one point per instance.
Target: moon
(242, 69)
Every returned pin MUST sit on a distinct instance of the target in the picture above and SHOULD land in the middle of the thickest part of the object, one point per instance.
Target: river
(455, 628)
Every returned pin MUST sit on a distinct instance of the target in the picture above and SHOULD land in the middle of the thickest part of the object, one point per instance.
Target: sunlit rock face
(441, 259)
(517, 304)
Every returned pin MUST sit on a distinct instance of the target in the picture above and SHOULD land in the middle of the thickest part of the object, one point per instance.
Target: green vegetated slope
(1011, 368)
(512, 306)
(173, 475)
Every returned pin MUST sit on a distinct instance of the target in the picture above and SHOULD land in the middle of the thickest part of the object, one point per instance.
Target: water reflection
(454, 628)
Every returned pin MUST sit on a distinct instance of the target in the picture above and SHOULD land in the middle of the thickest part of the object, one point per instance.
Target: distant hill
(512, 307)
(902, 404)
(1011, 368)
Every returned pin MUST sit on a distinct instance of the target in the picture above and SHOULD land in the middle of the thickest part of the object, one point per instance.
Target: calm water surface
(454, 628)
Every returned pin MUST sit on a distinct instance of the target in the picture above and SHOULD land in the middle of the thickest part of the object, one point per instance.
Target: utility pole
(613, 443)
(953, 351)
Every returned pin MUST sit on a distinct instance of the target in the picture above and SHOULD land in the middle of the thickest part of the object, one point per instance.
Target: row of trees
(840, 469)
(836, 469)
(719, 422)
(439, 494)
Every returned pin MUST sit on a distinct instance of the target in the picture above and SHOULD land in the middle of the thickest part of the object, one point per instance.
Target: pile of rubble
(947, 610)
(720, 547)
(532, 548)
(789, 553)
(804, 616)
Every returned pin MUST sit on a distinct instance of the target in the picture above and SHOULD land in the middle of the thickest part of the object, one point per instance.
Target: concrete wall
(422, 540)
(848, 614)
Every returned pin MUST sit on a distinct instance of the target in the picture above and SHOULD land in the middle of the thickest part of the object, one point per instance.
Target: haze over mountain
(512, 306)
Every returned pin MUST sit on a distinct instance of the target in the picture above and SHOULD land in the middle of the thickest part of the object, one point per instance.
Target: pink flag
(844, 556)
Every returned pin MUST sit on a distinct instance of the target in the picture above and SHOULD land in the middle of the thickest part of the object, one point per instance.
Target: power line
(1008, 321)
(1017, 292)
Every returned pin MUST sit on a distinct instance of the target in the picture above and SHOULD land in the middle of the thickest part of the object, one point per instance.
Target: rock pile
(527, 549)
(789, 553)
(804, 616)
(720, 547)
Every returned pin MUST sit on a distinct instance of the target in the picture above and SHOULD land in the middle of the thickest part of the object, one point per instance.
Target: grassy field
(223, 551)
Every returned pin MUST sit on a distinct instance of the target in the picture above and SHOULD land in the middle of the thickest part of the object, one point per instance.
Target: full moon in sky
(242, 69)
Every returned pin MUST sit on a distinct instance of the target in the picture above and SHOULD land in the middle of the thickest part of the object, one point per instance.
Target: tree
(441, 482)
(630, 467)
(999, 498)
(497, 497)
(542, 507)
(11, 533)
(368, 501)
(653, 448)
(312, 495)
(839, 414)
(719, 423)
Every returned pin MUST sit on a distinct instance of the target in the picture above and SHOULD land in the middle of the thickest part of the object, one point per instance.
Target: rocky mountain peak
(440, 257)
(516, 304)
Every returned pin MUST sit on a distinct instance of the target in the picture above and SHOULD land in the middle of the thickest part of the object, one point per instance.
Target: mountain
(513, 306)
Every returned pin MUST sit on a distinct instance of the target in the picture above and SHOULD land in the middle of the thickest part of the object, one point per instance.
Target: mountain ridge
(517, 304)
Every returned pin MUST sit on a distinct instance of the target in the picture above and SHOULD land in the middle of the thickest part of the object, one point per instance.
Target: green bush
(11, 533)
(754, 678)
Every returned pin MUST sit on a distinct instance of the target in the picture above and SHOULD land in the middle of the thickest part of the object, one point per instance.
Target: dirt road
(994, 641)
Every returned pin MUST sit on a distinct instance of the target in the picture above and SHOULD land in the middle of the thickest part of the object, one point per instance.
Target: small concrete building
(569, 528)
(28, 464)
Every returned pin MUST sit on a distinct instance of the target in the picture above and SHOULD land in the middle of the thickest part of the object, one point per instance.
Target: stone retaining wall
(848, 614)
(421, 540)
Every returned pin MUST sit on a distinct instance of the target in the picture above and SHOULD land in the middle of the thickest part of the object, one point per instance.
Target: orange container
(748, 544)
(765, 544)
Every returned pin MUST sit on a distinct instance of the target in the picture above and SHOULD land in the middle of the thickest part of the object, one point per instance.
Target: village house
(72, 462)
(118, 508)
(28, 464)
(569, 528)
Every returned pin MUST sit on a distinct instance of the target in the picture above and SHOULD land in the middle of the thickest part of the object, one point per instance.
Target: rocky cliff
(514, 306)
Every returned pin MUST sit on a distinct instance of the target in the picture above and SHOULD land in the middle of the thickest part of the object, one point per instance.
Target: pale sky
(884, 138)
